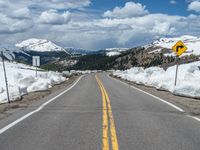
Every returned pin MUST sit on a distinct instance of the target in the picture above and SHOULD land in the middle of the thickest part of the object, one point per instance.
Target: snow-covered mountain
(192, 43)
(115, 51)
(10, 52)
(23, 51)
(39, 45)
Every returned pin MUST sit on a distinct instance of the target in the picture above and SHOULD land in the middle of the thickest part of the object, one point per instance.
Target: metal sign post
(6, 81)
(36, 63)
(177, 63)
(179, 48)
(36, 72)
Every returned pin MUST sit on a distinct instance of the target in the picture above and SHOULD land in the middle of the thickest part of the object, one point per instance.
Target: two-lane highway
(100, 113)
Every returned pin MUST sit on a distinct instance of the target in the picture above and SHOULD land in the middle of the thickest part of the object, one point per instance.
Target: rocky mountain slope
(158, 53)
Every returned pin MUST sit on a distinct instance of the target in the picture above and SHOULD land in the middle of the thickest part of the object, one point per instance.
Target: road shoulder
(34, 97)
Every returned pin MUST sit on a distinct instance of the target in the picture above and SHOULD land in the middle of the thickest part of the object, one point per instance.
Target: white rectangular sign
(36, 61)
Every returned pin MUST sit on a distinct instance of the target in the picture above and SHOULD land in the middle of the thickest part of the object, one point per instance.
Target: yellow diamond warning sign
(179, 48)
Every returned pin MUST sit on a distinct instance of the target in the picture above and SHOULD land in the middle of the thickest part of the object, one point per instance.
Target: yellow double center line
(108, 120)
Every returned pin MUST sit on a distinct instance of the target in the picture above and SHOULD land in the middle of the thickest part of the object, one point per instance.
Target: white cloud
(63, 4)
(191, 0)
(126, 26)
(46, 4)
(23, 13)
(130, 9)
(54, 18)
(9, 25)
(172, 2)
(126, 30)
(194, 6)
(145, 22)
(163, 28)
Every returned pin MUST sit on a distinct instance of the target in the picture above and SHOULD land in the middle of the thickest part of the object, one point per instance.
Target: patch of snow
(188, 77)
(156, 51)
(67, 73)
(22, 80)
(1, 90)
(115, 51)
(112, 54)
(170, 54)
(76, 72)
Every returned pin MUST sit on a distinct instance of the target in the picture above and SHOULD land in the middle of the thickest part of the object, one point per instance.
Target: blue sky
(154, 6)
(98, 24)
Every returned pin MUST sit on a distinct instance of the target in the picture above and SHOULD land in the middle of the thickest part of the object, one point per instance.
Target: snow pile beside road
(22, 80)
(78, 72)
(187, 83)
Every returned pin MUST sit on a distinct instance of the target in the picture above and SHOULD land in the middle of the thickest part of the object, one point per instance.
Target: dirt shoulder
(31, 97)
(190, 105)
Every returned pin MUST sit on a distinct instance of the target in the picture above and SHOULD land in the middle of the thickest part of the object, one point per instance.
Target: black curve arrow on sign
(179, 47)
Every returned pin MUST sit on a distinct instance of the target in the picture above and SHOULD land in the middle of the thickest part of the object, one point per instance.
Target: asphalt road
(101, 113)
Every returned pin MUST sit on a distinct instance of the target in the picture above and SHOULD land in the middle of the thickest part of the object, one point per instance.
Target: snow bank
(22, 80)
(187, 83)
(78, 72)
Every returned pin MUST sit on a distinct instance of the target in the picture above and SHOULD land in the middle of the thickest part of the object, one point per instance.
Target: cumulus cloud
(191, 0)
(10, 25)
(54, 18)
(194, 6)
(126, 30)
(130, 9)
(172, 2)
(127, 26)
(144, 22)
(23, 13)
(62, 4)
(46, 4)
(163, 28)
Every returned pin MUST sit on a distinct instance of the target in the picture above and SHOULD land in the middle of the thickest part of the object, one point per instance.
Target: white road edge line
(2, 130)
(196, 118)
(158, 98)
